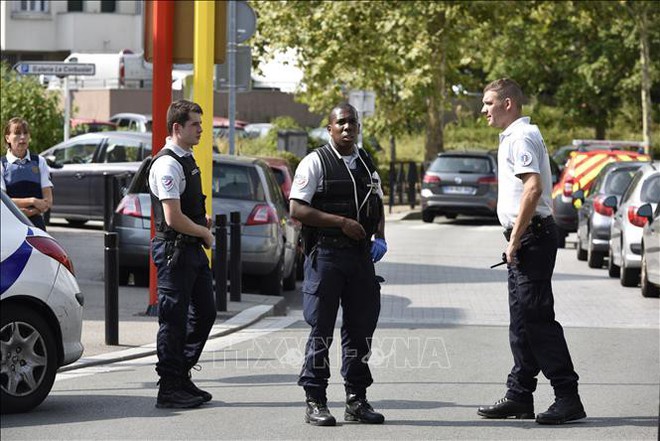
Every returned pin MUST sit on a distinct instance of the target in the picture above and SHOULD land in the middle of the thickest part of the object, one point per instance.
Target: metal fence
(405, 180)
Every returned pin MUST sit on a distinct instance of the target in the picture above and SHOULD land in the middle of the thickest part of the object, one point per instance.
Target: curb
(404, 215)
(240, 321)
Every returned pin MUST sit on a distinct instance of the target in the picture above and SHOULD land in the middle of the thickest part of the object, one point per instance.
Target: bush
(23, 96)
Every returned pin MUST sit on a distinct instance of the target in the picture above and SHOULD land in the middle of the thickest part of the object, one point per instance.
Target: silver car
(650, 274)
(625, 250)
(269, 236)
(594, 218)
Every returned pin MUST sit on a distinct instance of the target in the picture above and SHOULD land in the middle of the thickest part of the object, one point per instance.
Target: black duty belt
(536, 224)
(339, 242)
(173, 236)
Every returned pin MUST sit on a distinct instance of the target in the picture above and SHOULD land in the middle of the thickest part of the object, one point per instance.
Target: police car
(40, 311)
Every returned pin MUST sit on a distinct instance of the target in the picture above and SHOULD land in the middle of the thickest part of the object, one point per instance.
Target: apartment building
(50, 30)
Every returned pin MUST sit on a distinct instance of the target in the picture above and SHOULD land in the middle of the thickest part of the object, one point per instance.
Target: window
(108, 6)
(237, 182)
(123, 151)
(33, 5)
(651, 190)
(81, 153)
(461, 164)
(74, 6)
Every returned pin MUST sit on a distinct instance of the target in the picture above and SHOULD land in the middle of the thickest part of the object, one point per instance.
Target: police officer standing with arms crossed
(186, 308)
(525, 211)
(338, 198)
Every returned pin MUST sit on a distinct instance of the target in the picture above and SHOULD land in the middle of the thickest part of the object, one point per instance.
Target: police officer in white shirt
(186, 307)
(336, 195)
(525, 211)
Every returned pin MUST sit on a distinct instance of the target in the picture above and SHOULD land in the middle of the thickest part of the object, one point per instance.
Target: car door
(71, 183)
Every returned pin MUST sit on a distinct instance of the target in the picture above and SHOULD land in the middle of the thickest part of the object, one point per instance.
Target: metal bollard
(109, 202)
(111, 274)
(392, 178)
(412, 184)
(235, 266)
(220, 265)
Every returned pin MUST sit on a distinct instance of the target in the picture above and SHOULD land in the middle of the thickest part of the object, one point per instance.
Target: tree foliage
(580, 56)
(24, 97)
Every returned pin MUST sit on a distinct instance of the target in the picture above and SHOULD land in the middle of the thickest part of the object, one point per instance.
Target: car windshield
(618, 181)
(237, 182)
(461, 164)
(651, 190)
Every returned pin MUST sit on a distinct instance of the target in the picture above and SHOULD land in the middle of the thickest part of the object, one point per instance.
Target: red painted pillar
(163, 29)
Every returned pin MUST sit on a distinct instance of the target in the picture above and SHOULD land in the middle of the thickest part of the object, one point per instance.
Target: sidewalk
(137, 331)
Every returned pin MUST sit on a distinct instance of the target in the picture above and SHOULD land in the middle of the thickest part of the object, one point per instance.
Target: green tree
(24, 97)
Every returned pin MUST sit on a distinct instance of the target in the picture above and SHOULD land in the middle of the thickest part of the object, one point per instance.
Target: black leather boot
(562, 411)
(359, 409)
(506, 408)
(317, 413)
(191, 388)
(171, 394)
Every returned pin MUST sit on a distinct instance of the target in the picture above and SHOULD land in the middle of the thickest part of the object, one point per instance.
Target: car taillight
(633, 218)
(568, 187)
(262, 214)
(52, 249)
(489, 180)
(130, 206)
(431, 179)
(602, 209)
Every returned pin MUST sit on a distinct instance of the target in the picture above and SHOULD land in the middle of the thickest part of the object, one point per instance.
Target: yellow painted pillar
(204, 38)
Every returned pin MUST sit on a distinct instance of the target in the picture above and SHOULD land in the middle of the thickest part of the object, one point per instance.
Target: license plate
(459, 190)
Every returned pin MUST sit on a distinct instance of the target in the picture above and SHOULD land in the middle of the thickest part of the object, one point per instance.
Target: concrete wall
(255, 106)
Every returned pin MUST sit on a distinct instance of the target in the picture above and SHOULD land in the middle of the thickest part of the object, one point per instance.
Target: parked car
(78, 167)
(625, 248)
(650, 270)
(40, 311)
(579, 173)
(90, 125)
(221, 127)
(594, 218)
(257, 130)
(460, 183)
(269, 236)
(133, 122)
(564, 153)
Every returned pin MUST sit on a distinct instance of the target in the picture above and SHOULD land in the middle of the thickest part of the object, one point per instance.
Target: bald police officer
(338, 198)
(186, 308)
(525, 211)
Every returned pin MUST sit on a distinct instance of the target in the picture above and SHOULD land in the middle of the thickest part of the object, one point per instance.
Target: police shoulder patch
(300, 181)
(525, 158)
(168, 182)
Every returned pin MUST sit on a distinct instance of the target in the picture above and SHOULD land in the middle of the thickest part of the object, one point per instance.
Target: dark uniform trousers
(186, 307)
(536, 338)
(335, 276)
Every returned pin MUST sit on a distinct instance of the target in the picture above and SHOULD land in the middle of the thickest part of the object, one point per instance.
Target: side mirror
(52, 163)
(646, 211)
(611, 202)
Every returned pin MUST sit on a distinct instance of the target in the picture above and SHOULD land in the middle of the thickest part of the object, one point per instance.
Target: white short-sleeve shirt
(166, 177)
(309, 175)
(44, 170)
(521, 151)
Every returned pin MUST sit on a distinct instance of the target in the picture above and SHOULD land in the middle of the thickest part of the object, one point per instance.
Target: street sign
(364, 101)
(59, 68)
(246, 21)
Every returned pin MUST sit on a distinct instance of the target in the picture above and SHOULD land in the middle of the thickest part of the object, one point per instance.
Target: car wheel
(594, 258)
(628, 276)
(289, 283)
(29, 359)
(427, 217)
(561, 238)
(648, 288)
(76, 222)
(612, 269)
(581, 252)
(271, 283)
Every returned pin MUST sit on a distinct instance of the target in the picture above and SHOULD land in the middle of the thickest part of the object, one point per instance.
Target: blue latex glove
(378, 249)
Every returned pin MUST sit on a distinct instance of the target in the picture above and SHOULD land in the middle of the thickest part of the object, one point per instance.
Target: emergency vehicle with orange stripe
(579, 173)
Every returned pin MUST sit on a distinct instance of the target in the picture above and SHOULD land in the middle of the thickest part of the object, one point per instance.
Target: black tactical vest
(337, 196)
(192, 199)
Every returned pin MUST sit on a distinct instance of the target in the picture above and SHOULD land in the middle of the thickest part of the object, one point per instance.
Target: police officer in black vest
(25, 177)
(338, 198)
(186, 308)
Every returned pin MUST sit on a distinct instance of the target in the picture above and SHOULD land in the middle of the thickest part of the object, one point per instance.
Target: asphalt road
(440, 351)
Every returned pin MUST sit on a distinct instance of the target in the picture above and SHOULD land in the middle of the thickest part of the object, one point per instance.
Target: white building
(50, 30)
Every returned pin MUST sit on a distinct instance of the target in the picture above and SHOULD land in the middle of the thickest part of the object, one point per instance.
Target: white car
(40, 311)
(625, 250)
(650, 276)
